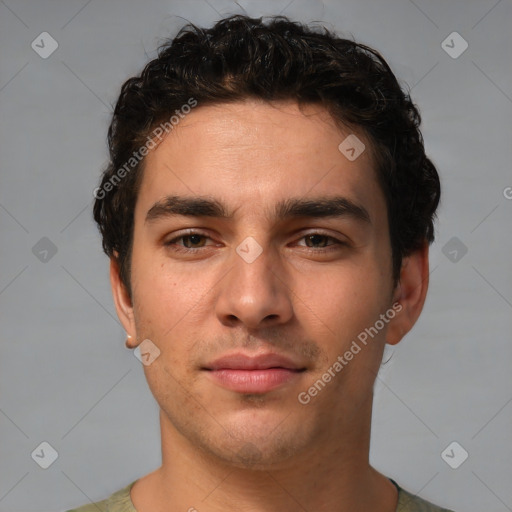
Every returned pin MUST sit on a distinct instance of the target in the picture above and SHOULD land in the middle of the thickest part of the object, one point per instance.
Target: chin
(259, 440)
(255, 456)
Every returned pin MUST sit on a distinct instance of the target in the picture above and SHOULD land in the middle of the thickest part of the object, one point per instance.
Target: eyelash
(172, 243)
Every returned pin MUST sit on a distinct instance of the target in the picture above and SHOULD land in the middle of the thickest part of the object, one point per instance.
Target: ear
(122, 300)
(410, 293)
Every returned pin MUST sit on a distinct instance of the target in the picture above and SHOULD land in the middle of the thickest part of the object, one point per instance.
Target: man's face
(321, 279)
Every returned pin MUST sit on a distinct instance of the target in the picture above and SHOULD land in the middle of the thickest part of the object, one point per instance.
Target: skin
(225, 450)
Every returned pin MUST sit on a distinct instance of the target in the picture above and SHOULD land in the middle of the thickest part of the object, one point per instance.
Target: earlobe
(410, 293)
(130, 342)
(122, 300)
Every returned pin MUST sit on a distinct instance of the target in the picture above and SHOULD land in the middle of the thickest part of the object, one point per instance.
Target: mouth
(253, 374)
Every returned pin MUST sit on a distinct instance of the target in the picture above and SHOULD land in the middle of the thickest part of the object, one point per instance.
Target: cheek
(345, 294)
(167, 285)
(339, 304)
(164, 291)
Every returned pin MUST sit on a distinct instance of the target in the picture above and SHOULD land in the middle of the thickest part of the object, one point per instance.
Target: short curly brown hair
(241, 57)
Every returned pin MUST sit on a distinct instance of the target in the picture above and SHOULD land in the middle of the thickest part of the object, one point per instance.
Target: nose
(254, 294)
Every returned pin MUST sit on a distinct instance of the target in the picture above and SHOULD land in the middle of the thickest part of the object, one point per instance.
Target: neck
(335, 475)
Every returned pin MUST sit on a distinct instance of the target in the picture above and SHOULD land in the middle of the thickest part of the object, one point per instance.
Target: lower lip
(253, 381)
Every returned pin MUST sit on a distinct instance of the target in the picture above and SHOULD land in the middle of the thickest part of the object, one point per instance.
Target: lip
(241, 361)
(253, 374)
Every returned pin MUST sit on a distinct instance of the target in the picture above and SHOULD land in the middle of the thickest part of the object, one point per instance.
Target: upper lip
(240, 361)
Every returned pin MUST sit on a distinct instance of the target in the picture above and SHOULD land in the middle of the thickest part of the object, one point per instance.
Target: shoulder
(120, 501)
(407, 502)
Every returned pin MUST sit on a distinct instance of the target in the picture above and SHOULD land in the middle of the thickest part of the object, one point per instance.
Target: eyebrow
(320, 207)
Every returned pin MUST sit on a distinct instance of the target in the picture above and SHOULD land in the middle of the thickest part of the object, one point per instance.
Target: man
(267, 212)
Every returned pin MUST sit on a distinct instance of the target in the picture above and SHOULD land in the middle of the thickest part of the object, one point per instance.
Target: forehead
(253, 154)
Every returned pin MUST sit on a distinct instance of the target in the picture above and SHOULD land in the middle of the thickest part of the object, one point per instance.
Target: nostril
(232, 319)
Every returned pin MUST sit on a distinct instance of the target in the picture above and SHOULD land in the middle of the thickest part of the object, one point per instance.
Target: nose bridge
(253, 292)
(252, 263)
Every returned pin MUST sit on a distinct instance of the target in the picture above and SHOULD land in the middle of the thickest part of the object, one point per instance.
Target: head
(238, 134)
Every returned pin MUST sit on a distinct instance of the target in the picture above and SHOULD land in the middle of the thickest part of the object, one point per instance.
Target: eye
(320, 241)
(190, 241)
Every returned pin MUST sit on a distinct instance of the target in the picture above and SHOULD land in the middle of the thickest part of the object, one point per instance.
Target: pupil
(194, 239)
(314, 239)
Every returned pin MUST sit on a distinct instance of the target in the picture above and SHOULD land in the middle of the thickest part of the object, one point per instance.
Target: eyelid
(187, 232)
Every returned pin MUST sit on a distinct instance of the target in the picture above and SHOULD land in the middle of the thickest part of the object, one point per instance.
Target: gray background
(66, 377)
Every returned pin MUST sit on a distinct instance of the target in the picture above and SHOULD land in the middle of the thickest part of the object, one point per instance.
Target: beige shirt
(120, 501)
